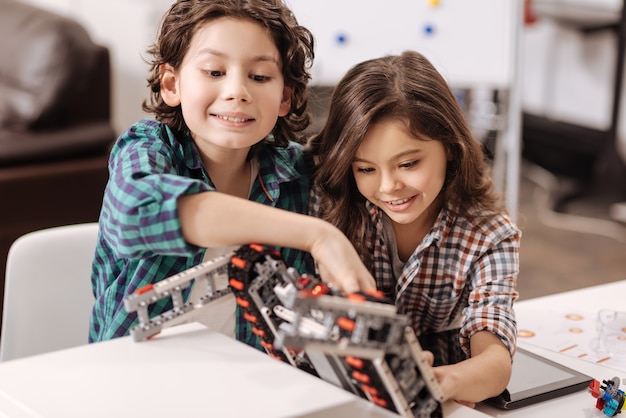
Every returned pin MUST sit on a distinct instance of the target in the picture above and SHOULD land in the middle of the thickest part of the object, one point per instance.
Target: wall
(566, 74)
(469, 42)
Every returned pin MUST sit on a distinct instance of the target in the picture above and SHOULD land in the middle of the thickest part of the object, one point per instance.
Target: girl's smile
(399, 173)
(400, 205)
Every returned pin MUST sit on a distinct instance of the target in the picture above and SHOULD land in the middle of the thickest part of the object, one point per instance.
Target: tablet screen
(525, 376)
(536, 379)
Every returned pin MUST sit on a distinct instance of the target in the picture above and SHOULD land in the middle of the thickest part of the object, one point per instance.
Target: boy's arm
(482, 376)
(213, 219)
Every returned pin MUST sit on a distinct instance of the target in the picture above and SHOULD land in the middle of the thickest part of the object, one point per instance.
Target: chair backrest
(47, 295)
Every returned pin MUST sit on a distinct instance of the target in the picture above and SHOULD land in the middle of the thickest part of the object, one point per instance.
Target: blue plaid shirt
(141, 240)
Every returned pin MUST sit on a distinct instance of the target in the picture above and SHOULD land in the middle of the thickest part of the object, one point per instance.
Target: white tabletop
(189, 371)
(186, 371)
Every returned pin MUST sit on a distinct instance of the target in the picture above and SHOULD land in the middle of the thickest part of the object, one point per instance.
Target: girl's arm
(213, 219)
(489, 321)
(484, 375)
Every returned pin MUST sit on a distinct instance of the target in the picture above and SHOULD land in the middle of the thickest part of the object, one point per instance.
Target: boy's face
(229, 85)
(400, 174)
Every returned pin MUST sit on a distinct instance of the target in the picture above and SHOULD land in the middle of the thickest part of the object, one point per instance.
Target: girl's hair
(406, 87)
(294, 43)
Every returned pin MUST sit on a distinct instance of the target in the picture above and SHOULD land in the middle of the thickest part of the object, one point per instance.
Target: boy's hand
(340, 265)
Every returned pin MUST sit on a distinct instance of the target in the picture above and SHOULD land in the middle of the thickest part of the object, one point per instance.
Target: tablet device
(536, 379)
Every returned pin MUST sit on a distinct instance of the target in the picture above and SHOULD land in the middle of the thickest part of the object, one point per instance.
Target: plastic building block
(610, 398)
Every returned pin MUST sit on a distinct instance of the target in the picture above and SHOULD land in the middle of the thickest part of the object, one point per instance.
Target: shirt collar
(275, 165)
(188, 147)
(438, 233)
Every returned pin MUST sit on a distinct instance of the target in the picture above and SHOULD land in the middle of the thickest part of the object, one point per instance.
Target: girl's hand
(482, 376)
(440, 375)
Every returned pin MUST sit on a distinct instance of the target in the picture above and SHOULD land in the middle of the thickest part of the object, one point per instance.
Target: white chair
(47, 294)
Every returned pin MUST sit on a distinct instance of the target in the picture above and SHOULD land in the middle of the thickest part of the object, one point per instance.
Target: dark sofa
(55, 123)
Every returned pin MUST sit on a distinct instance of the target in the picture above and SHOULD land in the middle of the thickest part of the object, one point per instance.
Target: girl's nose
(388, 183)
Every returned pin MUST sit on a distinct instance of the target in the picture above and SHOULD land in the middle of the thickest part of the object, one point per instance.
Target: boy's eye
(214, 73)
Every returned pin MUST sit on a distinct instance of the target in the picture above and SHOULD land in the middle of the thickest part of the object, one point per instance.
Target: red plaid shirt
(460, 269)
(461, 272)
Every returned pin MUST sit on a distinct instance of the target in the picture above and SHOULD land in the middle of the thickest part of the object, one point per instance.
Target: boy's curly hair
(294, 43)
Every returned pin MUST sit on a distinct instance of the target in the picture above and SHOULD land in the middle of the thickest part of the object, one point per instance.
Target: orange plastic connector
(267, 346)
(249, 317)
(144, 289)
(355, 297)
(369, 389)
(236, 284)
(239, 262)
(346, 323)
(357, 363)
(153, 335)
(257, 247)
(375, 293)
(243, 303)
(320, 289)
(258, 331)
(361, 377)
(379, 401)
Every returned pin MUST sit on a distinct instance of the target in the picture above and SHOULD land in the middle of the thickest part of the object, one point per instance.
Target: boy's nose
(234, 88)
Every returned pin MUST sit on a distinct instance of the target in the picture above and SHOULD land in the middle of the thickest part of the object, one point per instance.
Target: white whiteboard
(469, 41)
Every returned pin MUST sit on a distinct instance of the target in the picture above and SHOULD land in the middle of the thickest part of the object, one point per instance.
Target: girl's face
(229, 85)
(400, 174)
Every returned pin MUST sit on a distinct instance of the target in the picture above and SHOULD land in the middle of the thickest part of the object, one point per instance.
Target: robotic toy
(357, 341)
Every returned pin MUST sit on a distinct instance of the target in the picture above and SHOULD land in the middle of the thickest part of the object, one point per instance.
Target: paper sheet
(596, 336)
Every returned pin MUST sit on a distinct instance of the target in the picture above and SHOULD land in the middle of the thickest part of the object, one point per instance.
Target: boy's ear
(285, 103)
(169, 85)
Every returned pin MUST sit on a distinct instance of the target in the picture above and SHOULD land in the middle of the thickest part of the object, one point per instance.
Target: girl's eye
(408, 164)
(364, 170)
(259, 78)
(214, 73)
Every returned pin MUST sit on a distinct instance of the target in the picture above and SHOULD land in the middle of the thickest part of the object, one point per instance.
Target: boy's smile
(230, 87)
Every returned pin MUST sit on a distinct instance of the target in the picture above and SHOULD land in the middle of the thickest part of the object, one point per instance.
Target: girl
(218, 167)
(398, 171)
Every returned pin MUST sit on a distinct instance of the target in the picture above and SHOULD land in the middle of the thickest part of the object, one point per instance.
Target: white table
(189, 371)
(581, 404)
(186, 371)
